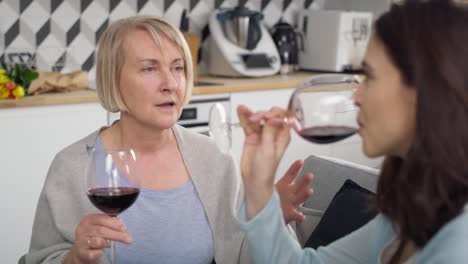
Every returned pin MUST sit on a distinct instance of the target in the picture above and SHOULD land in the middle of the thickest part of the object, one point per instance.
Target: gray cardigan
(63, 201)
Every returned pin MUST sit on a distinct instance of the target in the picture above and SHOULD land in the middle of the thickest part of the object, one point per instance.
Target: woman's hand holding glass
(113, 185)
(266, 139)
(320, 110)
(93, 234)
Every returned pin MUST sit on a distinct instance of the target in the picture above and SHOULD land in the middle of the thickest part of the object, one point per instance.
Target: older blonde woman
(185, 213)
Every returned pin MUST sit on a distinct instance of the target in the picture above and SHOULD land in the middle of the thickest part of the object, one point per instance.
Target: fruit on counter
(10, 85)
(8, 88)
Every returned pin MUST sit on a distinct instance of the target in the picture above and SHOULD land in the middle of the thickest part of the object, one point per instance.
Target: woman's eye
(367, 76)
(179, 68)
(149, 69)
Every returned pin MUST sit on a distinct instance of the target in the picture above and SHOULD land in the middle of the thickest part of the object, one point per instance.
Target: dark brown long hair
(427, 41)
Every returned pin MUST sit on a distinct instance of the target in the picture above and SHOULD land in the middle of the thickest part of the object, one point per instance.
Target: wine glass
(113, 182)
(321, 110)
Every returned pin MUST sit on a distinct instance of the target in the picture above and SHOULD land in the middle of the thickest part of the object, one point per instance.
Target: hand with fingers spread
(293, 193)
(93, 235)
(266, 139)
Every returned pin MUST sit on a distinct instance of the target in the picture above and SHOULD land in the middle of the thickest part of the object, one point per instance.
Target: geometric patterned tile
(154, 8)
(45, 4)
(2, 44)
(12, 33)
(9, 14)
(50, 53)
(64, 16)
(254, 5)
(141, 4)
(84, 5)
(100, 30)
(227, 3)
(122, 9)
(54, 4)
(34, 16)
(88, 63)
(43, 32)
(200, 15)
(75, 25)
(274, 11)
(78, 52)
(32, 19)
(167, 4)
(92, 19)
(73, 32)
(174, 12)
(14, 4)
(290, 12)
(24, 4)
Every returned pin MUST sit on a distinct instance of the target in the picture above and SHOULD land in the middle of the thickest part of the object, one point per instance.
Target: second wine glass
(113, 182)
(321, 110)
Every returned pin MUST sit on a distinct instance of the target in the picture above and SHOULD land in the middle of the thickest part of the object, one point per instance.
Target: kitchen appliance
(285, 38)
(334, 40)
(240, 45)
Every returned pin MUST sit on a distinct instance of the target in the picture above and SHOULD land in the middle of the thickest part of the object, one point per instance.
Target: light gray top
(63, 201)
(168, 225)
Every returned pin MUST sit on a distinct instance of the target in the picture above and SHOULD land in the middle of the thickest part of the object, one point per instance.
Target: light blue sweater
(270, 243)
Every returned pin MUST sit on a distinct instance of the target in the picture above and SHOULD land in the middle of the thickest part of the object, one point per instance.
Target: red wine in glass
(326, 134)
(113, 200)
(321, 110)
(113, 182)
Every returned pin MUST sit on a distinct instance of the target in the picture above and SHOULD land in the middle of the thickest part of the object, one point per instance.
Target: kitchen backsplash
(63, 33)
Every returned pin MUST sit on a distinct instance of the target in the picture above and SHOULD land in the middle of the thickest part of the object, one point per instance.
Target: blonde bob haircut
(111, 56)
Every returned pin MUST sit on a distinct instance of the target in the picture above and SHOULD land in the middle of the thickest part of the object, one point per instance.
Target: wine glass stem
(291, 121)
(112, 247)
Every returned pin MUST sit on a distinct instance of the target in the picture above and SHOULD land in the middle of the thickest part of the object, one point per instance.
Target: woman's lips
(360, 126)
(166, 104)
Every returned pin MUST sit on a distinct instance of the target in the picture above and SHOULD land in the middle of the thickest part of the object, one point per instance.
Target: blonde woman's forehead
(141, 45)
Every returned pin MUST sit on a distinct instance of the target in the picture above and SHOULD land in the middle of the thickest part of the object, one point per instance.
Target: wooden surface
(224, 85)
(76, 97)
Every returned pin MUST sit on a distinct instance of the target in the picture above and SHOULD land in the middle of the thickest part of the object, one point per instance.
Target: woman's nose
(170, 81)
(357, 95)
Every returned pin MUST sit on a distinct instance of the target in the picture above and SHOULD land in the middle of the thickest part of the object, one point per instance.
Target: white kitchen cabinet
(29, 139)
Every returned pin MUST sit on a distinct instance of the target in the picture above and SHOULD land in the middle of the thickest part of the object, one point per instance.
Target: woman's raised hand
(293, 192)
(93, 235)
(266, 139)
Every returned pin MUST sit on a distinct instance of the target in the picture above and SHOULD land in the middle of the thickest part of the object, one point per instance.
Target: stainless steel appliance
(333, 40)
(240, 45)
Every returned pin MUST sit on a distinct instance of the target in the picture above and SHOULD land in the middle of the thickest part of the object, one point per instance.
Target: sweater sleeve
(269, 241)
(48, 244)
(62, 204)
